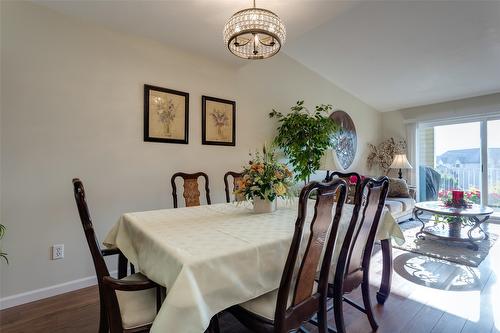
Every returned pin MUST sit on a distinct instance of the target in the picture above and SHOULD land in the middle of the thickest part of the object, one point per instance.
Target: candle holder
(457, 200)
(457, 196)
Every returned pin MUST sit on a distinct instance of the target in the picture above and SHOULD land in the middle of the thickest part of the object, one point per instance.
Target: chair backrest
(83, 210)
(323, 231)
(191, 192)
(237, 176)
(352, 191)
(355, 255)
(109, 302)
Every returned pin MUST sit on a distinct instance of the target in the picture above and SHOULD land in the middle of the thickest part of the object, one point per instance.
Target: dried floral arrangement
(383, 154)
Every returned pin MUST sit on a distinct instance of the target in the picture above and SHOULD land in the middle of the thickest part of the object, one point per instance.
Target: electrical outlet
(57, 251)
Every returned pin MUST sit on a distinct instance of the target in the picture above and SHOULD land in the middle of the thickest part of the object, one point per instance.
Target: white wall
(393, 123)
(72, 106)
(280, 82)
(0, 128)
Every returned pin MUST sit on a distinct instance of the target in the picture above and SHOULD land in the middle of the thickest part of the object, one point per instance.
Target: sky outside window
(457, 136)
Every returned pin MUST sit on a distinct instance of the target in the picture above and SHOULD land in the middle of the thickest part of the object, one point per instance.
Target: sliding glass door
(493, 157)
(462, 155)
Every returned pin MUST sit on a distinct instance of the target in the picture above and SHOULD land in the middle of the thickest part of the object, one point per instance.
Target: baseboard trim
(38, 294)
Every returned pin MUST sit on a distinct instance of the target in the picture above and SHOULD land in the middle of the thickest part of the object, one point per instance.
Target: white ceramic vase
(263, 206)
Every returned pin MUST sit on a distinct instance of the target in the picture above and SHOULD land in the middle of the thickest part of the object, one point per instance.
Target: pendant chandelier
(254, 33)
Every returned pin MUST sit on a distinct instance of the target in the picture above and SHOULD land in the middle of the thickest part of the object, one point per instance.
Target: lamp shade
(327, 161)
(400, 162)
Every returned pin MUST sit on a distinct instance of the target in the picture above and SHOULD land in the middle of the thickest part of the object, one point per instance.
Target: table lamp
(400, 162)
(327, 163)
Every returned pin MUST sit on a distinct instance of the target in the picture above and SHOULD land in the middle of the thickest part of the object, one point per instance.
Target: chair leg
(322, 318)
(338, 312)
(365, 290)
(103, 318)
(385, 285)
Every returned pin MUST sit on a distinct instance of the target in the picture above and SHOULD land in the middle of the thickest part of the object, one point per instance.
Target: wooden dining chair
(352, 189)
(237, 176)
(299, 297)
(191, 192)
(353, 263)
(127, 305)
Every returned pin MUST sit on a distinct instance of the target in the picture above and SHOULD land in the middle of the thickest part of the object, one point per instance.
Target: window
(462, 155)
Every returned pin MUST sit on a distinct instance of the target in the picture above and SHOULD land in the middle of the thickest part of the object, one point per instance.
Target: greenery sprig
(303, 136)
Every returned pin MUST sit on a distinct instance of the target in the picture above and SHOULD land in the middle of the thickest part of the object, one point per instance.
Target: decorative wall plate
(345, 139)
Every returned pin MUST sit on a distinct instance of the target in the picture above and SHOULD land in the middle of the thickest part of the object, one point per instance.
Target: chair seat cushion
(137, 308)
(265, 305)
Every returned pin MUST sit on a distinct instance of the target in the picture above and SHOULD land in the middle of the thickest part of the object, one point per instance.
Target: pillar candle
(457, 196)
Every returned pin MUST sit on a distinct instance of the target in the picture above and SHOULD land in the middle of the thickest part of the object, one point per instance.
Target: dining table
(212, 257)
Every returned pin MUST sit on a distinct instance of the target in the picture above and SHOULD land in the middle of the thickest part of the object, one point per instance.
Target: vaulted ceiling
(390, 54)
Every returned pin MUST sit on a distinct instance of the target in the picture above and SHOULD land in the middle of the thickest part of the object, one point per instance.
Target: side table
(462, 222)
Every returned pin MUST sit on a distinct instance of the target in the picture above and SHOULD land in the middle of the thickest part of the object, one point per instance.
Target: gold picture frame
(166, 115)
(218, 121)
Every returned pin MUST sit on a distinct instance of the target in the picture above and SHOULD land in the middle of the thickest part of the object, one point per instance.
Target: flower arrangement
(474, 195)
(471, 196)
(353, 179)
(265, 178)
(457, 199)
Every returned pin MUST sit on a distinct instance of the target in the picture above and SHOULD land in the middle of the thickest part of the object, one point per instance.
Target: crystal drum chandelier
(254, 33)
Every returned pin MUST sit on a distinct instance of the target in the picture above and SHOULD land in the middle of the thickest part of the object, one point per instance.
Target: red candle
(457, 196)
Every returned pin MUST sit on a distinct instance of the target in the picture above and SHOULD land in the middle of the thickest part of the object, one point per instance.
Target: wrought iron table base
(453, 235)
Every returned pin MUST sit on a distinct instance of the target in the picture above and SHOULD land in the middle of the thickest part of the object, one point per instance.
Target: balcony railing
(469, 179)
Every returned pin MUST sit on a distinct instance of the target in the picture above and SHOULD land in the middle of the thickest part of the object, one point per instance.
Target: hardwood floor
(428, 295)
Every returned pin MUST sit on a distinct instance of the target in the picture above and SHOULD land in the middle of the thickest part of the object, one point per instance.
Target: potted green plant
(303, 136)
(2, 233)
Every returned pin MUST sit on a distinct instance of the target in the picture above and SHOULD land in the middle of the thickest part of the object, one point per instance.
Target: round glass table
(462, 224)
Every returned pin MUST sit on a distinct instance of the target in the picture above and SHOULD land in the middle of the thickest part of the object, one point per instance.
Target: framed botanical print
(218, 121)
(166, 115)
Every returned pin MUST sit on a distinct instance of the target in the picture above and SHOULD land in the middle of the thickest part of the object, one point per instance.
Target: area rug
(451, 251)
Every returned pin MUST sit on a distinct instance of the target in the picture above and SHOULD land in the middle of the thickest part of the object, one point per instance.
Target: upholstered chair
(127, 305)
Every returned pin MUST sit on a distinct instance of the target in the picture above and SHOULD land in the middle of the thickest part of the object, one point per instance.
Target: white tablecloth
(213, 257)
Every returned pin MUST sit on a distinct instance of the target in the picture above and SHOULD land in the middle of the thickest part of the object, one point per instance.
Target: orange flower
(258, 167)
(241, 184)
